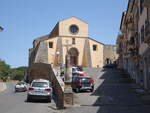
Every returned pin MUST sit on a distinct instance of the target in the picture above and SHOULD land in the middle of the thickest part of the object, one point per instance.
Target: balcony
(131, 34)
(131, 48)
(126, 55)
(131, 41)
(130, 23)
(146, 3)
(147, 32)
(136, 52)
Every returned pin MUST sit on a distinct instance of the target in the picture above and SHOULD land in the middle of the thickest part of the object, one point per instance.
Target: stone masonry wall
(42, 53)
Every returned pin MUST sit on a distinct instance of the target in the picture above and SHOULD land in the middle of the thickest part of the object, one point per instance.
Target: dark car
(82, 83)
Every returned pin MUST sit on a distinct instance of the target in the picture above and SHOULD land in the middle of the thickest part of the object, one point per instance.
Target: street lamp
(57, 55)
(1, 29)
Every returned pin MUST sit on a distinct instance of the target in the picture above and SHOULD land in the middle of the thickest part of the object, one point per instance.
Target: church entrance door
(73, 53)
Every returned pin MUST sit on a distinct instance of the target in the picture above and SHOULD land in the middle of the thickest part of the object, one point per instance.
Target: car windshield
(74, 69)
(39, 84)
(86, 80)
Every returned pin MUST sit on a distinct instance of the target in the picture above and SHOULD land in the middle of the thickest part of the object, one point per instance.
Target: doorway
(73, 53)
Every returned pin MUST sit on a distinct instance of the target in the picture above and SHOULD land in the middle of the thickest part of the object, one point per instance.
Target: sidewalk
(143, 94)
(2, 86)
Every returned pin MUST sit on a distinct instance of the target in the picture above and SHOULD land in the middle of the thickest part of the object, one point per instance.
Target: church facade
(68, 38)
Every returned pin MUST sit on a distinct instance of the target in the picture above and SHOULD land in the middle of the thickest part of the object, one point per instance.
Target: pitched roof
(46, 37)
(42, 38)
(96, 41)
(73, 17)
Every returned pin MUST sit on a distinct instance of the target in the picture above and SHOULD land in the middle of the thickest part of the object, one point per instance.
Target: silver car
(40, 89)
(20, 86)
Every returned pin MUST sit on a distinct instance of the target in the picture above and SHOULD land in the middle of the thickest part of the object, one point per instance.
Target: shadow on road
(36, 101)
(115, 95)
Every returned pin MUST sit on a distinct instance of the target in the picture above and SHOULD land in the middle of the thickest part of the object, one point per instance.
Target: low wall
(58, 86)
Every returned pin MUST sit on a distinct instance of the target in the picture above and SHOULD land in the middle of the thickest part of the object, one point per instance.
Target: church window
(74, 29)
(50, 44)
(94, 47)
(73, 41)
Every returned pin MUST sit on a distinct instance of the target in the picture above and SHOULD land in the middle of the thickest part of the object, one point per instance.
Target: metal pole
(1, 29)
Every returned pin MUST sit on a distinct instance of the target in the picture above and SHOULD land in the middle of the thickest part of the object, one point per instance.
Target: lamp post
(57, 55)
(1, 29)
(57, 63)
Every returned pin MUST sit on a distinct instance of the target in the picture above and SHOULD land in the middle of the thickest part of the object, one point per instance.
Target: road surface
(11, 102)
(112, 94)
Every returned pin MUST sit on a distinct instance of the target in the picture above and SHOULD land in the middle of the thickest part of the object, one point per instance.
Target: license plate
(38, 90)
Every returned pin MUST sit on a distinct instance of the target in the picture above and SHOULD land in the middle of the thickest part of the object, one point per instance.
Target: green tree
(14, 73)
(5, 70)
(19, 73)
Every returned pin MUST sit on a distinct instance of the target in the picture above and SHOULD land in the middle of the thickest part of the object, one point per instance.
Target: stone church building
(69, 37)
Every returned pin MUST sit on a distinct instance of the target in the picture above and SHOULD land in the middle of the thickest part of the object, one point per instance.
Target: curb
(2, 86)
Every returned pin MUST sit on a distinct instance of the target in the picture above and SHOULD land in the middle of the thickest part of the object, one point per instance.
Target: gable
(65, 27)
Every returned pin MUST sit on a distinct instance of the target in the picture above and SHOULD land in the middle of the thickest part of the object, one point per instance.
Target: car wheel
(28, 98)
(92, 89)
(73, 90)
(49, 99)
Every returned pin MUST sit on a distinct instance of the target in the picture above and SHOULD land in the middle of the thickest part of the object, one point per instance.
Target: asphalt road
(11, 102)
(112, 94)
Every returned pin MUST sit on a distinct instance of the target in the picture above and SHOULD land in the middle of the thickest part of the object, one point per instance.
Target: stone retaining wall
(46, 71)
(58, 86)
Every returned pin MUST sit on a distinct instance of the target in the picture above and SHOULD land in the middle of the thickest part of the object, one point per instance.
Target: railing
(132, 41)
(130, 23)
(134, 53)
(131, 44)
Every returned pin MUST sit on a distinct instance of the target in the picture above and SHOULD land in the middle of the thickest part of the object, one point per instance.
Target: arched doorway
(73, 53)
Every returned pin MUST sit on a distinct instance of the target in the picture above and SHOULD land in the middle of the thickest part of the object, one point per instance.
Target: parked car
(21, 86)
(82, 83)
(74, 70)
(40, 89)
(77, 70)
(80, 68)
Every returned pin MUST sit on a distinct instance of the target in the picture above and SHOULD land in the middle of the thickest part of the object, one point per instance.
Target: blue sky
(25, 20)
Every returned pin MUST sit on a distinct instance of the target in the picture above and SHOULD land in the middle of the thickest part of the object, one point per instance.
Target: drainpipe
(148, 18)
(147, 13)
